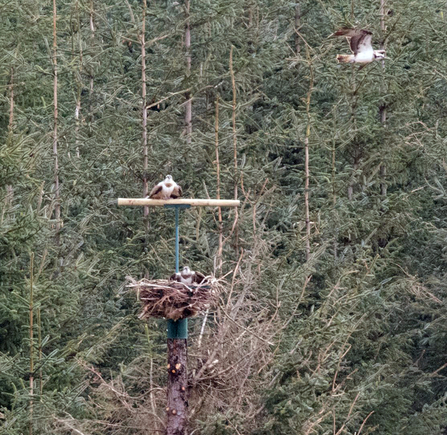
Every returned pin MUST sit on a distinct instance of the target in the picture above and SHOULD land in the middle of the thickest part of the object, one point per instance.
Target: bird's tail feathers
(345, 32)
(345, 58)
(341, 32)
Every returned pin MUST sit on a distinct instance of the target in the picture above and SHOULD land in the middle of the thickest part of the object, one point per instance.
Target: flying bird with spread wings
(166, 189)
(188, 276)
(361, 47)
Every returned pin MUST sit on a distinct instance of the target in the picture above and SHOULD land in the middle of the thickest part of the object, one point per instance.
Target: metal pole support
(176, 208)
(177, 403)
(179, 328)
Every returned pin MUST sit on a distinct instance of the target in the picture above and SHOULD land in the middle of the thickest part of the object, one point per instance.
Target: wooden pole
(191, 202)
(177, 387)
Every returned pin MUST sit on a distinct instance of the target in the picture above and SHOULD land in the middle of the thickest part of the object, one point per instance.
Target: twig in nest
(174, 300)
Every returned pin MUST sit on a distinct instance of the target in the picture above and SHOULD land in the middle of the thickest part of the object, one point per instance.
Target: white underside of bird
(186, 280)
(188, 276)
(365, 56)
(166, 189)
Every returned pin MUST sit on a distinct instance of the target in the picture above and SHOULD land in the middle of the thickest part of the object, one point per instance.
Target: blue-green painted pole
(177, 329)
(177, 251)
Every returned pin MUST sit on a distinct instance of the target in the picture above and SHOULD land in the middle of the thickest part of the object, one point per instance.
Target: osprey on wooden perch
(188, 276)
(166, 189)
(361, 47)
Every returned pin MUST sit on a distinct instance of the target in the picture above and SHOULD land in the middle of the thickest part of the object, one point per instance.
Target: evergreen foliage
(332, 325)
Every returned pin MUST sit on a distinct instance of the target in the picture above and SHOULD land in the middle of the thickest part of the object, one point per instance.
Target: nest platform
(173, 300)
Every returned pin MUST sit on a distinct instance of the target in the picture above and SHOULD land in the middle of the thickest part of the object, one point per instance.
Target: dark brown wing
(174, 277)
(359, 38)
(198, 277)
(156, 192)
(361, 41)
(177, 192)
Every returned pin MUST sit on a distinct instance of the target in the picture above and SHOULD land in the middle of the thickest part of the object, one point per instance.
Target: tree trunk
(57, 207)
(306, 158)
(382, 110)
(219, 209)
(92, 37)
(143, 94)
(188, 96)
(78, 80)
(31, 347)
(354, 120)
(177, 387)
(9, 189)
(236, 178)
(233, 119)
(334, 187)
(357, 153)
(11, 102)
(297, 28)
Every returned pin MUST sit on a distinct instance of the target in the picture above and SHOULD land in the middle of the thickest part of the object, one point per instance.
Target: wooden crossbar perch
(192, 202)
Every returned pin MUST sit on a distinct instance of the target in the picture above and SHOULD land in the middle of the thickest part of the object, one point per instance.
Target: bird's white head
(379, 54)
(186, 270)
(168, 177)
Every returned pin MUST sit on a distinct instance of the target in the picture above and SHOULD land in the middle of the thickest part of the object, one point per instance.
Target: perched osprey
(166, 189)
(360, 42)
(188, 277)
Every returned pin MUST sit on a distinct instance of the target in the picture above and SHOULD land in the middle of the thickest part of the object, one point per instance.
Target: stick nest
(174, 300)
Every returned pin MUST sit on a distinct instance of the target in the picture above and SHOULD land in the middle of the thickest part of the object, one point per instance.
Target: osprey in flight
(188, 277)
(166, 189)
(361, 47)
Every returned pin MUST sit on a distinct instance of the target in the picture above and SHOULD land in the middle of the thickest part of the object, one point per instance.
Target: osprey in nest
(361, 47)
(188, 276)
(166, 189)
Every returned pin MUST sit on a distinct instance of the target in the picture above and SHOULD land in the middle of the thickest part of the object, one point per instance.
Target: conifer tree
(332, 319)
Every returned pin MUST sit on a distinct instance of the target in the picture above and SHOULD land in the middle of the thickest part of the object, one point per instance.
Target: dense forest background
(333, 320)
